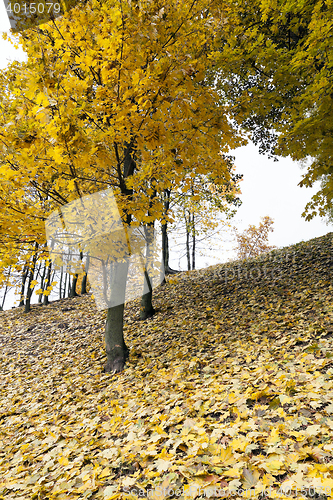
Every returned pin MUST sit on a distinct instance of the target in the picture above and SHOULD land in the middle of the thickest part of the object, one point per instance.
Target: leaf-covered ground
(228, 389)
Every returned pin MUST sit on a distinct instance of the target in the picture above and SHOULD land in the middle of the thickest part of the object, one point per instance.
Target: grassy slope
(230, 384)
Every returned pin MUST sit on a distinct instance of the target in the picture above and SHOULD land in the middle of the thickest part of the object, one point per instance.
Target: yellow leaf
(33, 283)
(226, 456)
(232, 472)
(159, 429)
(109, 493)
(129, 481)
(105, 473)
(63, 461)
(71, 185)
(313, 430)
(239, 444)
(57, 155)
(274, 437)
(273, 465)
(250, 478)
(162, 465)
(327, 483)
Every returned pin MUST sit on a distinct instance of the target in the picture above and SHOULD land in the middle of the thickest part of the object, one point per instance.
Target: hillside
(228, 386)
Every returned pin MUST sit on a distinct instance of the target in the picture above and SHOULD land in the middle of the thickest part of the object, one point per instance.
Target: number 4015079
(33, 8)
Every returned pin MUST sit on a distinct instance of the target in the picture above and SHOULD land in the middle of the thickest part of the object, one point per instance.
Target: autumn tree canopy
(254, 240)
(116, 95)
(280, 86)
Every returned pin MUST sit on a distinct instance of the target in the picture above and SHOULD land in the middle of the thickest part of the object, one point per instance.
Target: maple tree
(203, 200)
(112, 96)
(280, 83)
(254, 240)
(201, 213)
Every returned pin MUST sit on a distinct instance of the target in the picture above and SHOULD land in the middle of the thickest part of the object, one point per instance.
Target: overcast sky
(268, 188)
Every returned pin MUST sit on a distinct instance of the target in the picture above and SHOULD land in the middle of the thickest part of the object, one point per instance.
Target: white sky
(268, 188)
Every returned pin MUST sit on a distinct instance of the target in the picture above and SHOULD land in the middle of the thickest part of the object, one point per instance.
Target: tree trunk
(31, 277)
(165, 238)
(84, 278)
(28, 298)
(116, 350)
(65, 285)
(146, 309)
(165, 246)
(72, 292)
(60, 282)
(40, 296)
(6, 289)
(192, 227)
(47, 281)
(24, 279)
(188, 255)
(193, 243)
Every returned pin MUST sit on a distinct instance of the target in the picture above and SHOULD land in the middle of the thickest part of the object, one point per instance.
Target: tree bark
(192, 226)
(40, 296)
(6, 289)
(165, 246)
(165, 238)
(31, 277)
(72, 292)
(116, 350)
(188, 255)
(24, 279)
(146, 309)
(84, 278)
(48, 281)
(193, 243)
(60, 282)
(65, 285)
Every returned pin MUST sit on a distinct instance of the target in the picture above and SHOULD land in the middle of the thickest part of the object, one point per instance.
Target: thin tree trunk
(188, 255)
(165, 238)
(193, 243)
(84, 278)
(165, 246)
(40, 296)
(60, 281)
(24, 279)
(31, 277)
(192, 228)
(48, 281)
(65, 284)
(73, 292)
(147, 310)
(6, 289)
